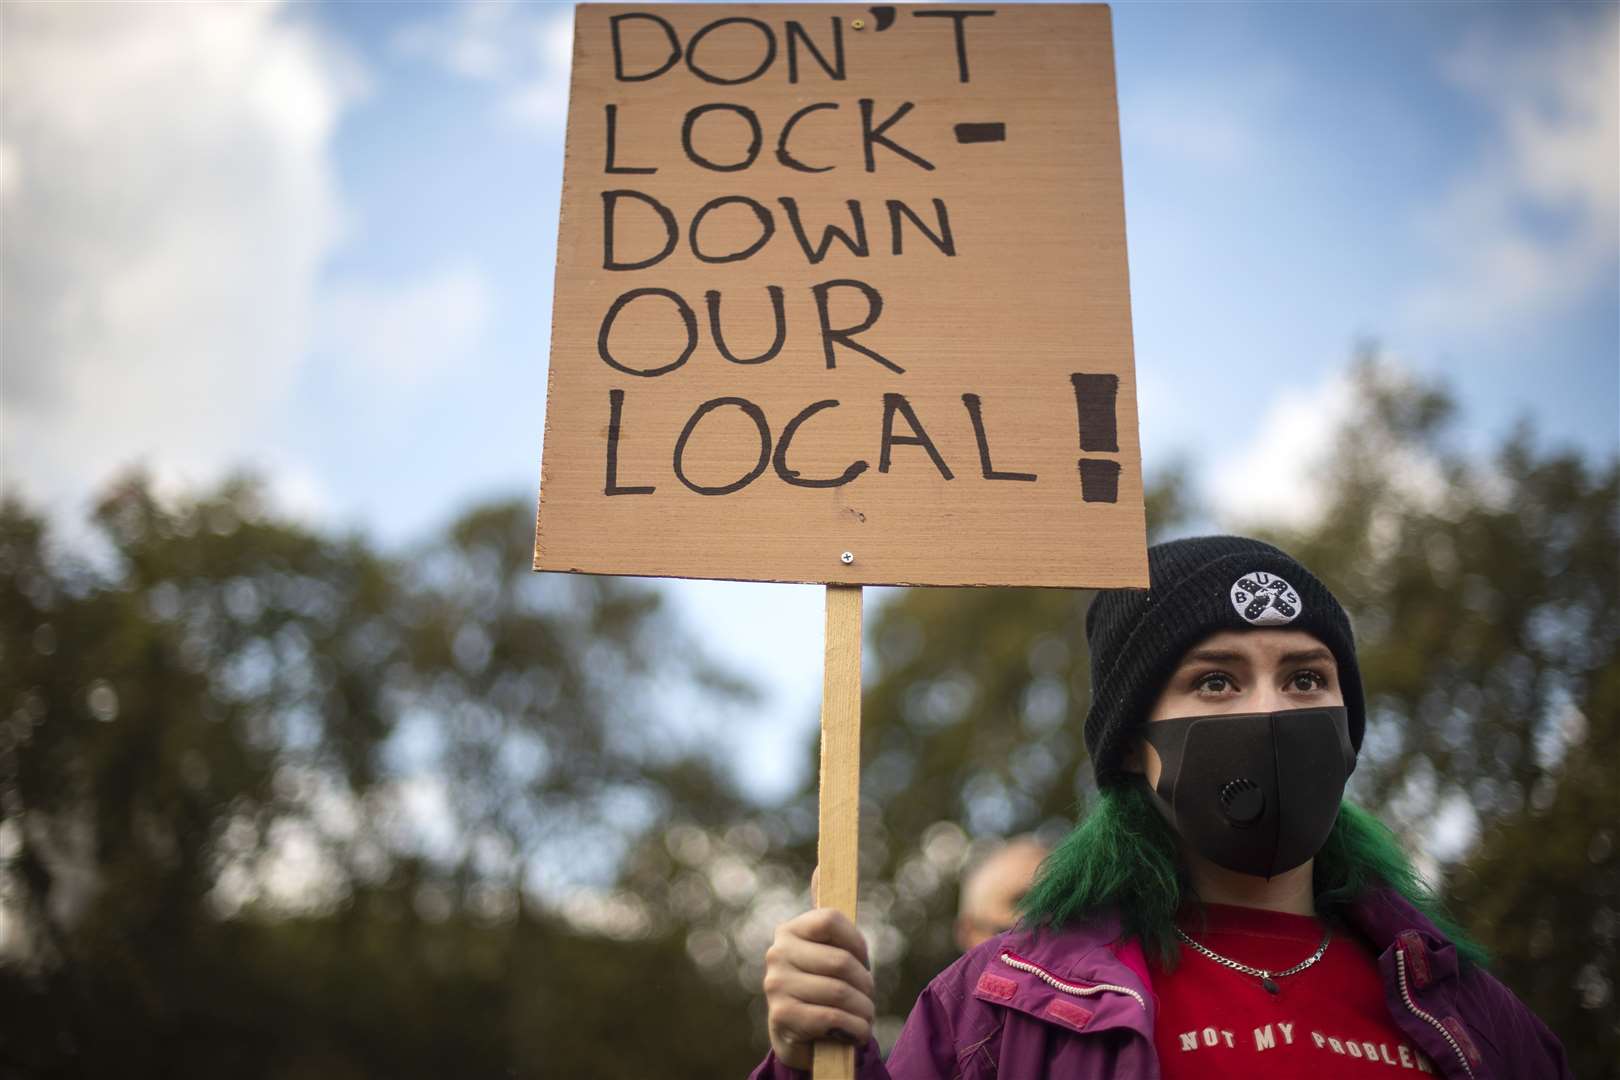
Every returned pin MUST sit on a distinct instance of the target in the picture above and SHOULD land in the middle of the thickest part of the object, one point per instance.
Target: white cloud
(1535, 223)
(1281, 446)
(402, 335)
(168, 197)
(1280, 469)
(524, 50)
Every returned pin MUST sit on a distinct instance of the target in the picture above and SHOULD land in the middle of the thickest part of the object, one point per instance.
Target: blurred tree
(275, 805)
(1485, 599)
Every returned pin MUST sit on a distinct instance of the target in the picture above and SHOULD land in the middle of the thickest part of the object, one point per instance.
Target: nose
(1266, 698)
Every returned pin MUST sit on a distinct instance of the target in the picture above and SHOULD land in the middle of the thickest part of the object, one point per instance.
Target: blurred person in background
(993, 887)
(1220, 911)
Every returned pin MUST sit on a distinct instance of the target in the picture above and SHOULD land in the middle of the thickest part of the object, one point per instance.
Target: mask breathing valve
(1242, 802)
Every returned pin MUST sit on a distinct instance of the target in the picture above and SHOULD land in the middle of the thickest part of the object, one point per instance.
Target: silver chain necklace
(1267, 978)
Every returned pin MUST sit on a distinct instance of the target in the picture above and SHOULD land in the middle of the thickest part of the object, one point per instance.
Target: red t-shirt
(1326, 1022)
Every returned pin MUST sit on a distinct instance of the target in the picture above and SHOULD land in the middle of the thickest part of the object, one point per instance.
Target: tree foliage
(278, 805)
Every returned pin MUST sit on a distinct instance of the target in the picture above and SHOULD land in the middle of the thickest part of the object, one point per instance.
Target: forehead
(1255, 646)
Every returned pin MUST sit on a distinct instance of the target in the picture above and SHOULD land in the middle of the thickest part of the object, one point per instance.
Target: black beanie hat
(1198, 587)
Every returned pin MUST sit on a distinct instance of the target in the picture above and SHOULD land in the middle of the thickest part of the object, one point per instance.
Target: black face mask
(1257, 792)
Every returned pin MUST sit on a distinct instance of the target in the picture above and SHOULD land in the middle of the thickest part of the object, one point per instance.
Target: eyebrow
(1308, 656)
(1214, 656)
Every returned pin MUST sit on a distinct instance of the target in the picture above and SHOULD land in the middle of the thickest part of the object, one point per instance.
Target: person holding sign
(1220, 911)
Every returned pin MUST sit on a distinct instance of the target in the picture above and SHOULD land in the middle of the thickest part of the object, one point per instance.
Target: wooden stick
(837, 843)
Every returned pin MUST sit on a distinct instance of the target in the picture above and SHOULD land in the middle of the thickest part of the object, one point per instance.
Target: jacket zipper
(1070, 988)
(1406, 996)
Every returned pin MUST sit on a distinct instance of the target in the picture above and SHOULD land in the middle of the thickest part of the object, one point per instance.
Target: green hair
(1123, 856)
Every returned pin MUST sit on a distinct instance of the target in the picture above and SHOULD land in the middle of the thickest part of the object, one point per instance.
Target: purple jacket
(1078, 1004)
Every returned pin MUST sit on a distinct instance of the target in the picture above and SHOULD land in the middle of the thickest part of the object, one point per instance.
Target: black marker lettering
(610, 204)
(870, 136)
(1094, 397)
(615, 406)
(688, 317)
(750, 410)
(709, 76)
(816, 253)
(1094, 400)
(618, 46)
(792, 476)
(981, 133)
(756, 137)
(845, 335)
(784, 155)
(941, 239)
(796, 33)
(989, 471)
(612, 141)
(896, 403)
(960, 18)
(767, 228)
(1099, 480)
(712, 298)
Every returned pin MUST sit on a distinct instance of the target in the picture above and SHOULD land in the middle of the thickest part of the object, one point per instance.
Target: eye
(1307, 681)
(1214, 682)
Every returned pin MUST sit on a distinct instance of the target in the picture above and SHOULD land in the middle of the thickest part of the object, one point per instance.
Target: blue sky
(317, 239)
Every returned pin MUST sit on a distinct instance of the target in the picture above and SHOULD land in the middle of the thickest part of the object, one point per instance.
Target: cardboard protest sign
(841, 297)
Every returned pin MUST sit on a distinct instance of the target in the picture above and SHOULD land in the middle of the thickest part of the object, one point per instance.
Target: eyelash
(1318, 680)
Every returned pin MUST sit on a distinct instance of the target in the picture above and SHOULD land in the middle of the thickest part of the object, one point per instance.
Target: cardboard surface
(945, 392)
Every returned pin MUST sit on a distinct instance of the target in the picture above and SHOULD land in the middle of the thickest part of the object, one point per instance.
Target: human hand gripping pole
(817, 985)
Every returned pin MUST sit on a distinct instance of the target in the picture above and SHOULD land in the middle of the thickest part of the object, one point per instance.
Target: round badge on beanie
(1264, 599)
(1200, 586)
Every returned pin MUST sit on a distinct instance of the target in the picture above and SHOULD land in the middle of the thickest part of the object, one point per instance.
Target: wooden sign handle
(837, 843)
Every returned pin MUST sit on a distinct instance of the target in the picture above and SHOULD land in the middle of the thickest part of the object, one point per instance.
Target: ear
(1144, 760)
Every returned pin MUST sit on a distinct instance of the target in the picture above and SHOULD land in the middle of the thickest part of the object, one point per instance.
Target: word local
(894, 406)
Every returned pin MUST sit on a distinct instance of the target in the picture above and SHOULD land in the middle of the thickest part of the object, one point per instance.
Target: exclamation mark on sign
(1094, 398)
